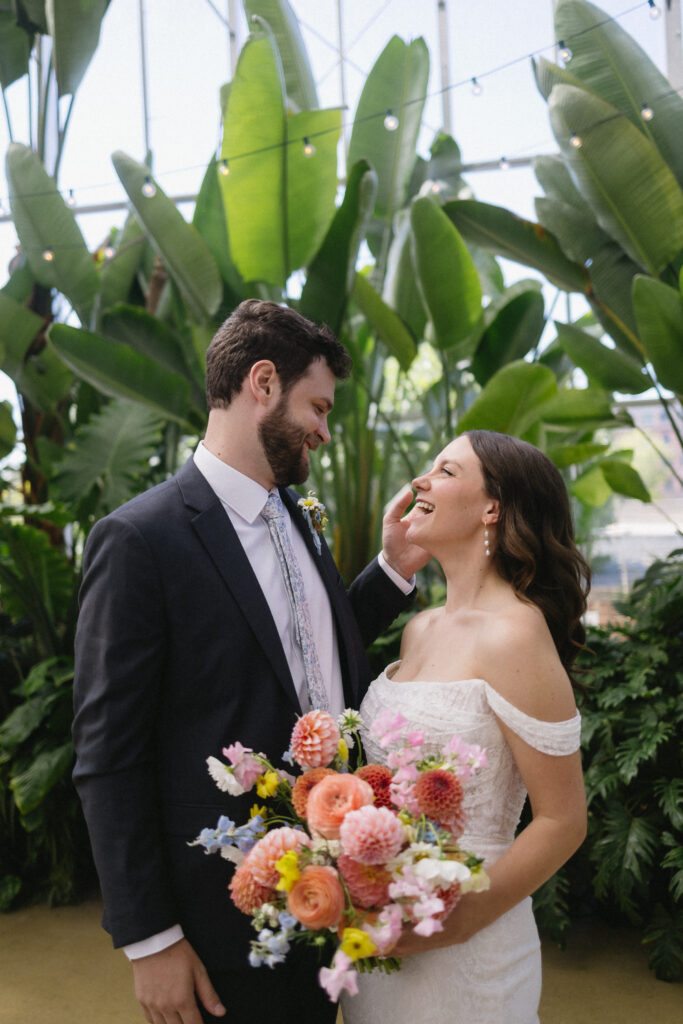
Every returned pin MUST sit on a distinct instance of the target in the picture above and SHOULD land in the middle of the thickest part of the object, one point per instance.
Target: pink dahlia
(315, 739)
(371, 835)
(275, 844)
(368, 884)
(303, 786)
(379, 777)
(439, 794)
(248, 894)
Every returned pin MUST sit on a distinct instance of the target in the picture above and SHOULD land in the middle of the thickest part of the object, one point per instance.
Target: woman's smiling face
(451, 502)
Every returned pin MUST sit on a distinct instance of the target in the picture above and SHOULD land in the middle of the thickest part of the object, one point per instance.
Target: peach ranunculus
(303, 786)
(317, 898)
(332, 799)
(315, 739)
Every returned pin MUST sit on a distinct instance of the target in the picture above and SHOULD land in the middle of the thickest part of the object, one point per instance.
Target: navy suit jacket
(177, 656)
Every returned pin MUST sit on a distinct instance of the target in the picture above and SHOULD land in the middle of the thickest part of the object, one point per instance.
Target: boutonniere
(315, 514)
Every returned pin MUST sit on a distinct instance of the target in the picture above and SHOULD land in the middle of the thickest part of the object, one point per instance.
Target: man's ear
(263, 382)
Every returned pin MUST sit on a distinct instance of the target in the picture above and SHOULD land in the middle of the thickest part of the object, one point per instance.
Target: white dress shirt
(243, 500)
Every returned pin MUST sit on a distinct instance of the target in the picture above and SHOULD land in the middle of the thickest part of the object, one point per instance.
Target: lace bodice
(494, 797)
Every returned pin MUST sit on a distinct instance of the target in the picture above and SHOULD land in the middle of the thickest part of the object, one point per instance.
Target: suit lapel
(217, 534)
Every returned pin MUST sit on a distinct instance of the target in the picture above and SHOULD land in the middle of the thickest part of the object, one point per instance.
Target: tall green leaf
(209, 220)
(120, 372)
(513, 331)
(608, 368)
(311, 183)
(178, 243)
(118, 273)
(32, 784)
(296, 67)
(397, 82)
(332, 272)
(14, 49)
(659, 311)
(501, 232)
(75, 29)
(401, 289)
(448, 278)
(388, 325)
(44, 222)
(633, 194)
(509, 400)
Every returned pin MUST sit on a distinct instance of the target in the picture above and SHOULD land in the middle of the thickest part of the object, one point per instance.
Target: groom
(186, 643)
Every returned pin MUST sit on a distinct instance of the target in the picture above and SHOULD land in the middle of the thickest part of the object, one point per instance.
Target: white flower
(223, 777)
(477, 882)
(233, 854)
(445, 871)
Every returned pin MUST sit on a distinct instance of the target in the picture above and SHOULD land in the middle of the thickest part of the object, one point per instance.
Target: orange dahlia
(315, 739)
(303, 786)
(248, 894)
(439, 794)
(379, 777)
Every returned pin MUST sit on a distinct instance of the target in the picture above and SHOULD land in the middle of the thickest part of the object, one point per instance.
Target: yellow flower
(257, 811)
(288, 869)
(343, 749)
(266, 785)
(356, 944)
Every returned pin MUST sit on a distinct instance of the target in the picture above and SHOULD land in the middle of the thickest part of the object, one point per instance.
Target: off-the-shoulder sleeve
(558, 738)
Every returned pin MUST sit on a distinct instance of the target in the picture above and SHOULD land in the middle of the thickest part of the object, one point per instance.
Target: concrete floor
(58, 967)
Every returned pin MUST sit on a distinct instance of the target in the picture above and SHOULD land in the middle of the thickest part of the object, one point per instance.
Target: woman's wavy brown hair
(535, 549)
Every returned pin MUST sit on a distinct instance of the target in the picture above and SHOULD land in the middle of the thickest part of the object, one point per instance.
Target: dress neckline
(425, 682)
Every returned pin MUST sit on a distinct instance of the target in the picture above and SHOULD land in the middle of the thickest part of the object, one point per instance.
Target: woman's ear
(491, 513)
(264, 383)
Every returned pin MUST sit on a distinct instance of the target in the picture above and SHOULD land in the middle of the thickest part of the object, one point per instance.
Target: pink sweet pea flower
(339, 977)
(388, 727)
(386, 932)
(245, 767)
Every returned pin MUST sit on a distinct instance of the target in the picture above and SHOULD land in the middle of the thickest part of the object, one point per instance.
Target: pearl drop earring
(487, 550)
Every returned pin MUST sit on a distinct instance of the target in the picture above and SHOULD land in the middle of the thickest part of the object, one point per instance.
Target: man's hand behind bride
(168, 984)
(405, 558)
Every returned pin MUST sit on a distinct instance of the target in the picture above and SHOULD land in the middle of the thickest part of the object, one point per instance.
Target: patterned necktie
(274, 515)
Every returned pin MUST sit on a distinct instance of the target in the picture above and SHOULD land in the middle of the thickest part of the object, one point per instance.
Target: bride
(492, 665)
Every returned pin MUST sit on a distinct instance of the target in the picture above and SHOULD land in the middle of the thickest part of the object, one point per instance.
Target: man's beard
(283, 445)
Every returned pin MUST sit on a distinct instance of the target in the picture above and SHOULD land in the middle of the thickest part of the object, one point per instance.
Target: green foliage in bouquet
(630, 867)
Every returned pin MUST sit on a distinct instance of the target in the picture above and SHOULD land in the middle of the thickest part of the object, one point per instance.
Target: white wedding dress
(495, 977)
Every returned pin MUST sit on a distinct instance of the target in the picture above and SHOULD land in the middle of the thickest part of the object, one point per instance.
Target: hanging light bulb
(646, 112)
(564, 51)
(575, 140)
(48, 255)
(504, 164)
(108, 252)
(309, 148)
(71, 199)
(390, 121)
(477, 89)
(149, 189)
(224, 168)
(654, 10)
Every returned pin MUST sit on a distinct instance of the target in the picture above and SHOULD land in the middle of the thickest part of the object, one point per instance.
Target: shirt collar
(243, 495)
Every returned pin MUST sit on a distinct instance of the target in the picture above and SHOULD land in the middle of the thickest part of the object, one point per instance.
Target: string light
(477, 89)
(564, 51)
(309, 148)
(575, 140)
(224, 168)
(646, 112)
(149, 189)
(108, 252)
(654, 10)
(504, 164)
(48, 255)
(71, 199)
(390, 121)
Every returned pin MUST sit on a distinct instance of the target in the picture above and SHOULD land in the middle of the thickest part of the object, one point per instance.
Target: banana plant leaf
(508, 402)
(31, 15)
(387, 324)
(564, 455)
(548, 75)
(397, 83)
(331, 274)
(633, 194)
(448, 278)
(118, 273)
(209, 220)
(41, 377)
(14, 49)
(555, 180)
(514, 330)
(120, 372)
(609, 62)
(576, 408)
(279, 201)
(624, 479)
(8, 429)
(75, 29)
(591, 488)
(401, 290)
(43, 222)
(179, 244)
(498, 231)
(659, 312)
(109, 454)
(608, 368)
(32, 784)
(296, 67)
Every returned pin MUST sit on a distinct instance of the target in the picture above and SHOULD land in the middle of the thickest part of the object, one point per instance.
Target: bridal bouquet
(350, 857)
